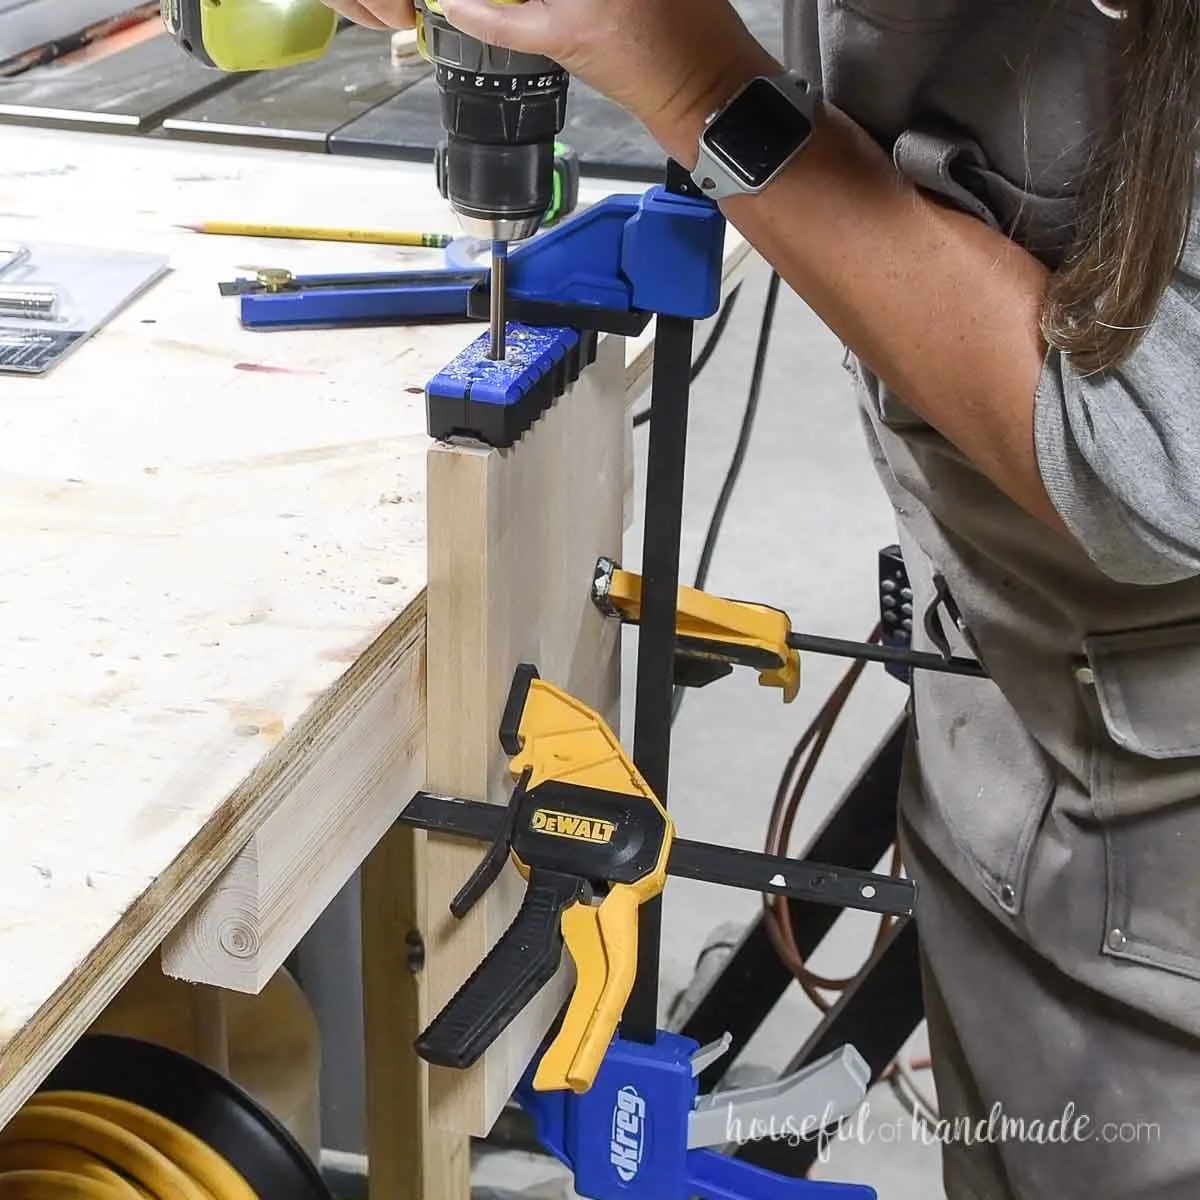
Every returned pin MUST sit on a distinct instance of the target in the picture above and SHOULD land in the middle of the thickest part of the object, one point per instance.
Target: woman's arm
(937, 304)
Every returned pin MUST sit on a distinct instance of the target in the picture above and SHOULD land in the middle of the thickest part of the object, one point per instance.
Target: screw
(602, 582)
(275, 279)
(416, 951)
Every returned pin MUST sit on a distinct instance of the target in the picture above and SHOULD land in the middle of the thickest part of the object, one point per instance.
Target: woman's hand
(669, 62)
(375, 14)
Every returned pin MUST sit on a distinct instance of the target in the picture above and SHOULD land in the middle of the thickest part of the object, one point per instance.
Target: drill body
(503, 112)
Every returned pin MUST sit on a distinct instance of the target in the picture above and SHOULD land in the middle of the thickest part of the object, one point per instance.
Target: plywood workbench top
(202, 529)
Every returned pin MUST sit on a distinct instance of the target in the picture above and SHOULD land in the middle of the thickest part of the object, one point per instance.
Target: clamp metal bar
(869, 652)
(666, 459)
(655, 695)
(815, 882)
(726, 866)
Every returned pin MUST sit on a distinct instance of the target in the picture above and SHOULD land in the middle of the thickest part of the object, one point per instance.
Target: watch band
(716, 178)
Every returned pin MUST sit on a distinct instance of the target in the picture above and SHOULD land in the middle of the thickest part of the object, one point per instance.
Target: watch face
(758, 133)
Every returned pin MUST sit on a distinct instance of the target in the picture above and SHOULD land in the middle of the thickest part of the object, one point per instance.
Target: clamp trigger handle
(522, 962)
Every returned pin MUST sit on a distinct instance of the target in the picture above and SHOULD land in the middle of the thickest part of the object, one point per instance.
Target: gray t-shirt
(991, 103)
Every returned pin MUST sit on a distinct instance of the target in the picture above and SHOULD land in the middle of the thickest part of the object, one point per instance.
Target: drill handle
(522, 962)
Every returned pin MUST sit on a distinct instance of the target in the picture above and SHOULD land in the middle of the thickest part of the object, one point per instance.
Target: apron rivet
(1086, 676)
(1116, 940)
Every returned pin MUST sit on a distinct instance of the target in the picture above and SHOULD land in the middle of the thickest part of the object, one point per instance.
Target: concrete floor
(801, 534)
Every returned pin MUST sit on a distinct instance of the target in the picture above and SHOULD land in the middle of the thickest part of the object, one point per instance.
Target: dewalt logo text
(578, 829)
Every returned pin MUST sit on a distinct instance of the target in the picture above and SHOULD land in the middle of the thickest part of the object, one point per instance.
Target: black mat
(26, 24)
(131, 91)
(302, 106)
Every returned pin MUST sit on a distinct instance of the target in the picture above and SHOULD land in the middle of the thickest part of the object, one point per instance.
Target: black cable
(743, 442)
(714, 338)
(739, 452)
(710, 346)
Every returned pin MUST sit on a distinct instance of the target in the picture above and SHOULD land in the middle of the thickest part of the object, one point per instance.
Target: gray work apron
(1051, 815)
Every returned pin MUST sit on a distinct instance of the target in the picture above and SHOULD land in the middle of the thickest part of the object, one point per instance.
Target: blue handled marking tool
(280, 300)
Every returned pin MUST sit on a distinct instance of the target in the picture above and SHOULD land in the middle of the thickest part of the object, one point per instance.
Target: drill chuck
(499, 192)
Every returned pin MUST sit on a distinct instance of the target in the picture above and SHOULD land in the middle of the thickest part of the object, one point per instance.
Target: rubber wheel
(200, 1100)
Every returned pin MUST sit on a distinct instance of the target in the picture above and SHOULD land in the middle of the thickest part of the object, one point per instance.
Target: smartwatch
(748, 142)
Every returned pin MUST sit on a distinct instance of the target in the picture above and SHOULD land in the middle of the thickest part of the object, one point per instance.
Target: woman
(994, 215)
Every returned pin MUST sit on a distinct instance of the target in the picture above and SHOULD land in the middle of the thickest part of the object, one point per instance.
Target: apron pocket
(1146, 791)
(986, 780)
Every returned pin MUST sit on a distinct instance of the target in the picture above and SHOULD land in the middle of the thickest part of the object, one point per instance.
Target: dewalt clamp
(594, 844)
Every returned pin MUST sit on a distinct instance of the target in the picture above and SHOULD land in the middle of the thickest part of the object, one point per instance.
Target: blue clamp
(611, 269)
(658, 254)
(638, 1133)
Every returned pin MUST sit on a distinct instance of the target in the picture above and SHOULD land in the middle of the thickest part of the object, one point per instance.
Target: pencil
(375, 237)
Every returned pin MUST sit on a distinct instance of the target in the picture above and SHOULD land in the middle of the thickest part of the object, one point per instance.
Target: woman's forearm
(937, 304)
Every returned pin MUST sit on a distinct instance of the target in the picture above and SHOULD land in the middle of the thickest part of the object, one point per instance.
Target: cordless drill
(502, 111)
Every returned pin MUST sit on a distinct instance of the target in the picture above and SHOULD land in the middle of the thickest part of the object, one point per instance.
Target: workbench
(248, 608)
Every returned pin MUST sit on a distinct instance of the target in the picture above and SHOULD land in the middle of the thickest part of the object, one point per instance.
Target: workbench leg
(210, 1022)
(409, 1159)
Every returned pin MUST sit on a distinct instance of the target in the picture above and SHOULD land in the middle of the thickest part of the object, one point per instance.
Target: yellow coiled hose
(80, 1146)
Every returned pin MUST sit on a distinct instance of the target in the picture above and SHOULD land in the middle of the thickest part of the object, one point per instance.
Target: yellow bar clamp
(709, 627)
(564, 741)
(593, 843)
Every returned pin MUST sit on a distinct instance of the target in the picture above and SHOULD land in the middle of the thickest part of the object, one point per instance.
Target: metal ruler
(33, 352)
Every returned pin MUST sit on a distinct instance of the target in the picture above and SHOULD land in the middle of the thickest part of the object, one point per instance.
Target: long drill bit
(499, 277)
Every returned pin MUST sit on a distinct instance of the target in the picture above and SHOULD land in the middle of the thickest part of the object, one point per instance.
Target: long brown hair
(1138, 193)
